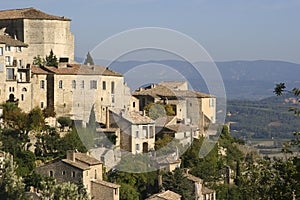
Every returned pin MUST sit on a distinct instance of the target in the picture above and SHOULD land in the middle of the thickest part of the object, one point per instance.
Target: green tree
(11, 185)
(64, 122)
(51, 60)
(177, 182)
(156, 110)
(37, 60)
(89, 59)
(36, 119)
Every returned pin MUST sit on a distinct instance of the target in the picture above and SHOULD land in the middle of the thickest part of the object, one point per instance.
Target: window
(74, 84)
(8, 60)
(19, 49)
(113, 87)
(20, 63)
(137, 134)
(211, 102)
(73, 174)
(145, 132)
(10, 73)
(63, 173)
(93, 84)
(87, 173)
(22, 97)
(82, 84)
(151, 130)
(42, 84)
(7, 48)
(133, 104)
(137, 147)
(95, 174)
(42, 104)
(24, 90)
(1, 67)
(113, 99)
(51, 173)
(103, 85)
(60, 84)
(1, 51)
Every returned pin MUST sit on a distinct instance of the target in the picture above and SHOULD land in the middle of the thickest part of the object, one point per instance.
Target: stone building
(14, 73)
(80, 167)
(41, 31)
(137, 131)
(190, 107)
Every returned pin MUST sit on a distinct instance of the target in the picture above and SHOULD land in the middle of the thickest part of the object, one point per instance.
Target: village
(38, 70)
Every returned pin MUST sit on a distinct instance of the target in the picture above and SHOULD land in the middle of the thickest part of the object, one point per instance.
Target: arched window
(60, 84)
(24, 90)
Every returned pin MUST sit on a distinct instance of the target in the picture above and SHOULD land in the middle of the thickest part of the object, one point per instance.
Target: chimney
(71, 155)
(63, 62)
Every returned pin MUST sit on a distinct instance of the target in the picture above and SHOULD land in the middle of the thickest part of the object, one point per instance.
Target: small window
(22, 97)
(8, 60)
(137, 147)
(60, 84)
(19, 49)
(87, 173)
(74, 84)
(93, 84)
(113, 87)
(113, 99)
(51, 173)
(133, 104)
(42, 104)
(73, 174)
(42, 84)
(20, 63)
(82, 84)
(7, 48)
(63, 173)
(1, 51)
(103, 85)
(211, 102)
(95, 173)
(24, 90)
(137, 134)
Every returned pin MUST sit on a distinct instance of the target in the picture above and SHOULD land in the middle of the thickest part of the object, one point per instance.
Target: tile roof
(107, 184)
(132, 116)
(180, 127)
(29, 13)
(193, 178)
(38, 70)
(167, 195)
(163, 91)
(6, 39)
(76, 164)
(87, 159)
(206, 190)
(77, 69)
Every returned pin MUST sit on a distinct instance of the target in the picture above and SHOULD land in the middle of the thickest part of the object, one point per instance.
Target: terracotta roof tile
(78, 69)
(76, 164)
(28, 13)
(6, 39)
(167, 195)
(87, 159)
(107, 184)
(38, 70)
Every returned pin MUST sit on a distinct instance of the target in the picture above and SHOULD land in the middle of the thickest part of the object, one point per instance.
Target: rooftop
(8, 40)
(107, 184)
(75, 69)
(132, 116)
(29, 13)
(86, 159)
(167, 195)
(76, 164)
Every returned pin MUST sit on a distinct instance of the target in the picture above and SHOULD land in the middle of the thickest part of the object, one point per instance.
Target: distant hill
(265, 118)
(251, 80)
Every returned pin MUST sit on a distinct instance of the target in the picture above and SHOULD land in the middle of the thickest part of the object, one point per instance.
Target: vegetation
(156, 110)
(89, 59)
(49, 60)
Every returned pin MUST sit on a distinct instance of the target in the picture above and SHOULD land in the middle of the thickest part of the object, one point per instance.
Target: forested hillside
(263, 119)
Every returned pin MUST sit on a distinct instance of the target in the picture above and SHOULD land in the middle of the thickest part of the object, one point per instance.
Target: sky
(228, 30)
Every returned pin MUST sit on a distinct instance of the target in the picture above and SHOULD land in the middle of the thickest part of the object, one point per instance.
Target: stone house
(201, 192)
(14, 73)
(137, 131)
(165, 195)
(190, 107)
(80, 167)
(41, 31)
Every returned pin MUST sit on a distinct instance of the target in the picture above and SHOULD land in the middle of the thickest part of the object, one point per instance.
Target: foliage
(49, 112)
(177, 182)
(36, 119)
(156, 110)
(37, 60)
(51, 60)
(64, 122)
(11, 185)
(89, 59)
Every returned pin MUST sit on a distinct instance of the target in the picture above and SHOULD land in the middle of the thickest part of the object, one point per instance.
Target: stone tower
(42, 32)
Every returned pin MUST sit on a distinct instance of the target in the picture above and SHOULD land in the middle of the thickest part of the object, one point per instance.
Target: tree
(51, 60)
(11, 186)
(89, 59)
(177, 182)
(64, 122)
(37, 60)
(156, 110)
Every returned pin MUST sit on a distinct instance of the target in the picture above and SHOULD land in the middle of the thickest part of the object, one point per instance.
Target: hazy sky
(227, 29)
